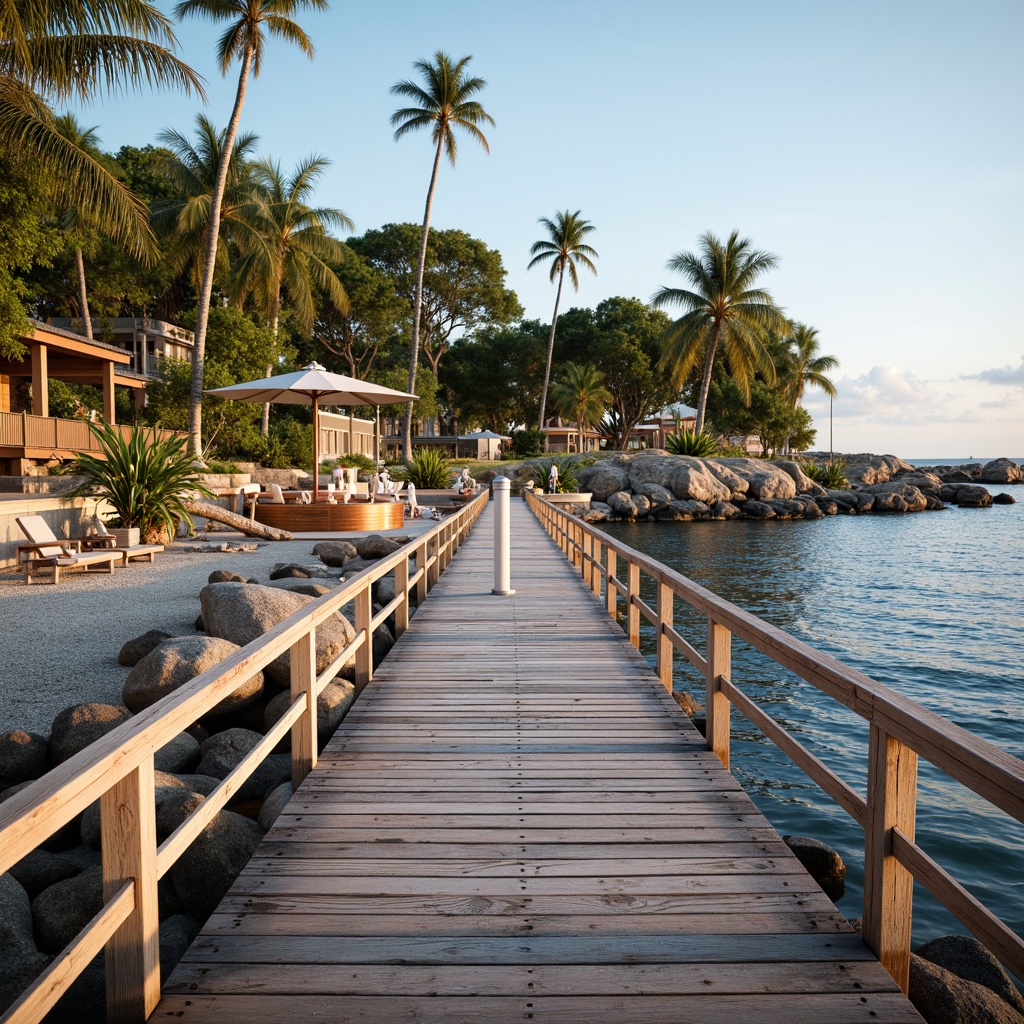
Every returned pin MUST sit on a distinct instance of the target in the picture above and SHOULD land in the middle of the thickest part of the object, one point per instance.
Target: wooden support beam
(109, 410)
(303, 681)
(719, 666)
(666, 612)
(40, 381)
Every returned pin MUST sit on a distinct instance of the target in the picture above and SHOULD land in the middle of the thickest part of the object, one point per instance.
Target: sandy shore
(59, 644)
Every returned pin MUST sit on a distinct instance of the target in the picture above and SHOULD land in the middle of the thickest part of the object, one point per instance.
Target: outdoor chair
(106, 541)
(46, 549)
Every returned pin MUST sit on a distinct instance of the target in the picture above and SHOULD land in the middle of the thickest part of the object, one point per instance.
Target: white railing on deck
(118, 771)
(900, 731)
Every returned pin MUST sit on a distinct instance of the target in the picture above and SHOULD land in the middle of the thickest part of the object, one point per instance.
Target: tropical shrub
(527, 443)
(145, 480)
(356, 460)
(689, 442)
(831, 475)
(567, 468)
(428, 468)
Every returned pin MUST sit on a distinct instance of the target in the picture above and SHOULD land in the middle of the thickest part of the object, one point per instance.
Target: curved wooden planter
(362, 515)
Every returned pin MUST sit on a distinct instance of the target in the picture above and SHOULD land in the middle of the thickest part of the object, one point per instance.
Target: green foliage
(689, 442)
(527, 443)
(831, 475)
(144, 479)
(579, 393)
(356, 460)
(429, 468)
(568, 466)
(216, 466)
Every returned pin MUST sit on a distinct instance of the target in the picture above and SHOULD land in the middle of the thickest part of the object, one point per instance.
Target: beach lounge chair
(107, 542)
(47, 549)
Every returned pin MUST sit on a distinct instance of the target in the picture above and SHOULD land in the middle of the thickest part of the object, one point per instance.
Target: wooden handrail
(118, 771)
(900, 732)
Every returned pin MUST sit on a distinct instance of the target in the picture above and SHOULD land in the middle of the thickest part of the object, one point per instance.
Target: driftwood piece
(241, 523)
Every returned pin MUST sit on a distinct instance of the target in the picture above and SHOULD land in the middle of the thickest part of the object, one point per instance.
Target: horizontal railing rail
(53, 433)
(900, 732)
(118, 771)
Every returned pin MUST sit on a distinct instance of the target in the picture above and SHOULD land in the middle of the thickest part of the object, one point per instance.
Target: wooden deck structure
(516, 822)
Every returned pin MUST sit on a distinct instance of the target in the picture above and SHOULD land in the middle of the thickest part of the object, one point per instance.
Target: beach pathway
(516, 822)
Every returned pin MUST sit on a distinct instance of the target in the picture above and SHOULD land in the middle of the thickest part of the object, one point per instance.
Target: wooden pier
(514, 823)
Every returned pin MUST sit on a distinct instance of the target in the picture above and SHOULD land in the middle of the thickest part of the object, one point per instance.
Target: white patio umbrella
(315, 386)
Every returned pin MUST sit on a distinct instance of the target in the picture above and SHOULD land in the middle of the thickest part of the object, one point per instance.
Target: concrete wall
(66, 519)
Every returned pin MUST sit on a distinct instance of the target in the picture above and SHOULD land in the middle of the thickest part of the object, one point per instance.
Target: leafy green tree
(55, 52)
(442, 103)
(579, 392)
(723, 311)
(462, 289)
(245, 39)
(564, 248)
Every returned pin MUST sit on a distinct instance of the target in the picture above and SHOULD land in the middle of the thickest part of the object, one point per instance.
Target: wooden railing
(53, 434)
(900, 732)
(118, 771)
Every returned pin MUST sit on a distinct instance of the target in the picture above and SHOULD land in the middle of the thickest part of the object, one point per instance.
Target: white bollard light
(502, 489)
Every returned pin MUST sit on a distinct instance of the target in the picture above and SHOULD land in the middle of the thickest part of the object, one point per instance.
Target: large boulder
(943, 998)
(603, 479)
(897, 496)
(65, 836)
(135, 650)
(655, 494)
(224, 750)
(804, 484)
(204, 872)
(76, 727)
(242, 612)
(334, 553)
(764, 479)
(621, 504)
(738, 487)
(651, 467)
(60, 912)
(331, 707)
(1002, 471)
(921, 479)
(865, 470)
(181, 754)
(22, 757)
(973, 496)
(821, 862)
(177, 933)
(757, 510)
(374, 546)
(274, 803)
(39, 870)
(181, 659)
(226, 576)
(692, 480)
(20, 962)
(967, 958)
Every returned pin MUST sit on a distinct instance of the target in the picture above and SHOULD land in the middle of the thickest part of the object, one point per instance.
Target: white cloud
(1013, 375)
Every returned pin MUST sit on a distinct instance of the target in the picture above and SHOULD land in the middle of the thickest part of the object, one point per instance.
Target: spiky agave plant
(689, 442)
(831, 475)
(144, 478)
(428, 468)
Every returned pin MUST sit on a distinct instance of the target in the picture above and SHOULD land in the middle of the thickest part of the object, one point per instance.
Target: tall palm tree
(244, 38)
(804, 365)
(193, 165)
(79, 219)
(724, 311)
(565, 248)
(443, 103)
(579, 392)
(296, 252)
(53, 51)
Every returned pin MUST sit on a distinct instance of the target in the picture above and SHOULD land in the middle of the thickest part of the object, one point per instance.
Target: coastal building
(144, 339)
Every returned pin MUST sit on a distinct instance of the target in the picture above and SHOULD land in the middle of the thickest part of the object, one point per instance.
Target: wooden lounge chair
(106, 541)
(46, 549)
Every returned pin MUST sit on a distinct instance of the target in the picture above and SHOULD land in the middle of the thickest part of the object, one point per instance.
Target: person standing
(553, 479)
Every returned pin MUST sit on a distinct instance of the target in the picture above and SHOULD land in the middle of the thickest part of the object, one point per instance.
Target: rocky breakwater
(50, 895)
(654, 485)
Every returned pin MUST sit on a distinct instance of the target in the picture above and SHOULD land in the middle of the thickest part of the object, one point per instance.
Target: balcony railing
(51, 434)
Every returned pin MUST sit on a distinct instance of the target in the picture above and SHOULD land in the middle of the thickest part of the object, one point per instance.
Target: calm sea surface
(930, 604)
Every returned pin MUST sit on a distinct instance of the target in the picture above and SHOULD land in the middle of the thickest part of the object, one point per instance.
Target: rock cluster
(654, 485)
(52, 893)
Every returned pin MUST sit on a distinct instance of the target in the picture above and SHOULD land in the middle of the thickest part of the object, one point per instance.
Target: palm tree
(724, 311)
(243, 38)
(297, 250)
(193, 167)
(442, 103)
(580, 393)
(54, 51)
(803, 364)
(564, 248)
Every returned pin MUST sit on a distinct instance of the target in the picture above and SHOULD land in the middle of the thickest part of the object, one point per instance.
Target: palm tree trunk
(83, 295)
(414, 354)
(705, 381)
(265, 421)
(551, 349)
(195, 402)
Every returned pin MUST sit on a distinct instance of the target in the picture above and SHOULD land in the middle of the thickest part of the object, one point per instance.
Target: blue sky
(875, 147)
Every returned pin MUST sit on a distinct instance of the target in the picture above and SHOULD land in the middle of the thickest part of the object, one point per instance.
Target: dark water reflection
(930, 605)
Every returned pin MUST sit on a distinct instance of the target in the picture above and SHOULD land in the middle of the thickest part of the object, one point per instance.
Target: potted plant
(143, 478)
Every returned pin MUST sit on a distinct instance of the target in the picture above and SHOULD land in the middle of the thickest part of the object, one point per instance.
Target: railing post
(402, 587)
(611, 595)
(632, 611)
(888, 886)
(421, 563)
(303, 681)
(595, 566)
(666, 611)
(128, 824)
(502, 537)
(364, 655)
(719, 666)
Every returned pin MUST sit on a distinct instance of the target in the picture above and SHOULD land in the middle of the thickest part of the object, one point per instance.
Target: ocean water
(931, 605)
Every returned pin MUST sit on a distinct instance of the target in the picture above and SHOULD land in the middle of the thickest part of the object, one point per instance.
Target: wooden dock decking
(516, 822)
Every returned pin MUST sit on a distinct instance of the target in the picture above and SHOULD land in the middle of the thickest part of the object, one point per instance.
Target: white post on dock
(502, 489)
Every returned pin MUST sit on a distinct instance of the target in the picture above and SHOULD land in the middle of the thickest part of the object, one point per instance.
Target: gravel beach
(59, 644)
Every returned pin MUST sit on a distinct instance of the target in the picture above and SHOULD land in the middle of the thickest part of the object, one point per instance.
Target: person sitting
(383, 484)
(465, 484)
